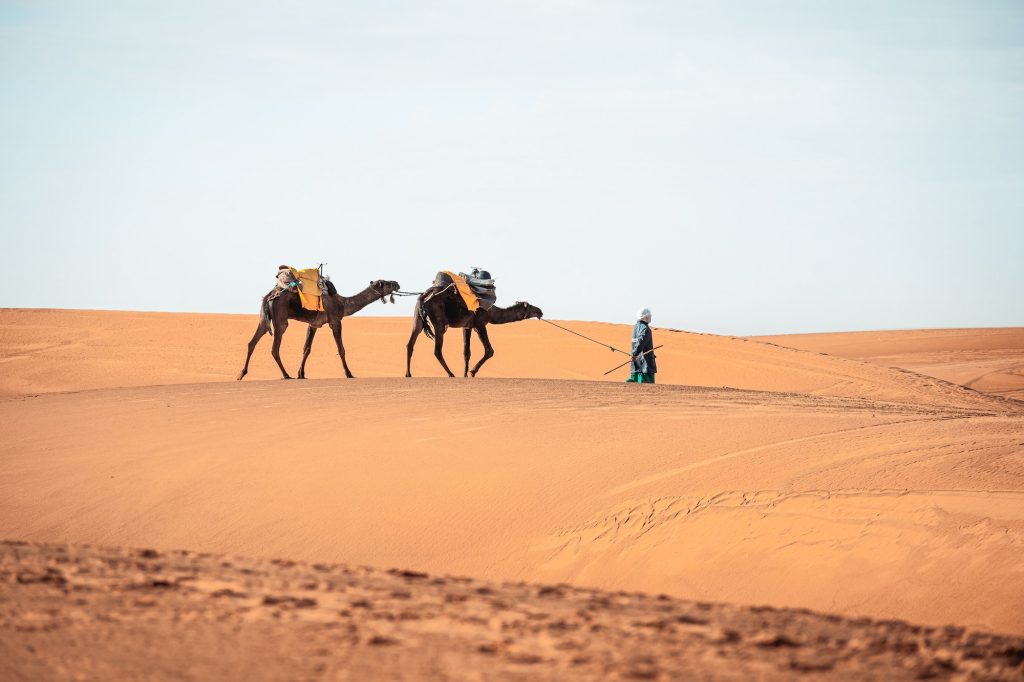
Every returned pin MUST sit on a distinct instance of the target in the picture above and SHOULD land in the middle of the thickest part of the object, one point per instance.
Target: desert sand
(138, 614)
(987, 360)
(755, 473)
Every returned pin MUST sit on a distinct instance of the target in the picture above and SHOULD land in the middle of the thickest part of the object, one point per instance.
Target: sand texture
(45, 351)
(72, 612)
(987, 360)
(752, 474)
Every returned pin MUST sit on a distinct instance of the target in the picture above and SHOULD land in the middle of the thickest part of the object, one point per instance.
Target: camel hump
(476, 289)
(447, 280)
(307, 283)
(443, 279)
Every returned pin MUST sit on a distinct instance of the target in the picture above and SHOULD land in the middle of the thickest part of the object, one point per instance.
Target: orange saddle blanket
(309, 288)
(467, 293)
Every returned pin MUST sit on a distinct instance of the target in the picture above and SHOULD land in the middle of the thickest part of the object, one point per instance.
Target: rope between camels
(419, 293)
(600, 343)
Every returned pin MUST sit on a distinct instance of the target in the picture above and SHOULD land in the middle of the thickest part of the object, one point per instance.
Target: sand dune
(811, 481)
(140, 614)
(857, 507)
(987, 360)
(60, 350)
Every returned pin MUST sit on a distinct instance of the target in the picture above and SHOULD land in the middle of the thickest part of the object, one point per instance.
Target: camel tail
(427, 329)
(266, 319)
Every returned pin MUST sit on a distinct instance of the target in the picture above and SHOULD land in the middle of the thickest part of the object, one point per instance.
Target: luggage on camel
(482, 284)
(310, 284)
(477, 288)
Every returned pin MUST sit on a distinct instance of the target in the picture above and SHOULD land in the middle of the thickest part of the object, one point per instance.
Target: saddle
(309, 283)
(476, 289)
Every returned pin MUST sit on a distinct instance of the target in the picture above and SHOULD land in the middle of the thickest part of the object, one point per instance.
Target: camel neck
(504, 315)
(356, 303)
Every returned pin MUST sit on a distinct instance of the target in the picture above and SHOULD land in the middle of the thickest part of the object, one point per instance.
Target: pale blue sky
(739, 167)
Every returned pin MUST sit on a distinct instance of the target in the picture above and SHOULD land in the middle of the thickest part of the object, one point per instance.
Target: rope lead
(600, 343)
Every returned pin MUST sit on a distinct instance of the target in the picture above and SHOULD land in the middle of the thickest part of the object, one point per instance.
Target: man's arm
(638, 343)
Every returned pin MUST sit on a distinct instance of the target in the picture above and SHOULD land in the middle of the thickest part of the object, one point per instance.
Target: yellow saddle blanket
(468, 295)
(309, 292)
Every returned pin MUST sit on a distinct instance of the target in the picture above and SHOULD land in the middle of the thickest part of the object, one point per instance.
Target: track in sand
(853, 506)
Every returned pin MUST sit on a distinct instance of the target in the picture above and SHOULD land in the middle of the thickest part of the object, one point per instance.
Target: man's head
(644, 314)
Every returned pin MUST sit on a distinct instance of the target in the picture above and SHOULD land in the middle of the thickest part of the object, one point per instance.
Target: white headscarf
(644, 314)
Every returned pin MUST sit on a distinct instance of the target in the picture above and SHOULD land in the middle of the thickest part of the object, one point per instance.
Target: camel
(286, 306)
(440, 309)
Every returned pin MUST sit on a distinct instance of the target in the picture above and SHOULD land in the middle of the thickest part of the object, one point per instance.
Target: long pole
(631, 359)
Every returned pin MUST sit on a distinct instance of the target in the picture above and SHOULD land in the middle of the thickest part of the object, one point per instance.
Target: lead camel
(287, 306)
(436, 311)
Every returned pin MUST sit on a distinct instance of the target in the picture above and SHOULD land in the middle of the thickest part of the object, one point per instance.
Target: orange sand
(44, 351)
(987, 360)
(826, 483)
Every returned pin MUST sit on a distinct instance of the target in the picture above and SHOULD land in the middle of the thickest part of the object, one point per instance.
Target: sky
(738, 167)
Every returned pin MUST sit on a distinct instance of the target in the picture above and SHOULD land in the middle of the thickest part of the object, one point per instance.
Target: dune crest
(71, 350)
(986, 360)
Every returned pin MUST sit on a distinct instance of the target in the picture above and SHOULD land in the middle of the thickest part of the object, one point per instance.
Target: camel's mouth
(387, 289)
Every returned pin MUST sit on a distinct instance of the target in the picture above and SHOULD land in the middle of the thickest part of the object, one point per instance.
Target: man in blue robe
(643, 366)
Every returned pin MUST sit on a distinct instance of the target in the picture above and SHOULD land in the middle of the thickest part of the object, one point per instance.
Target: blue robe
(643, 340)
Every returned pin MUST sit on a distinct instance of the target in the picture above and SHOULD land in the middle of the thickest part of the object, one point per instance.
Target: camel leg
(417, 327)
(336, 330)
(467, 333)
(260, 331)
(439, 348)
(488, 350)
(281, 327)
(310, 333)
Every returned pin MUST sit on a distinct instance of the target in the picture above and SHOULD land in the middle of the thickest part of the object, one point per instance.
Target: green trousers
(640, 378)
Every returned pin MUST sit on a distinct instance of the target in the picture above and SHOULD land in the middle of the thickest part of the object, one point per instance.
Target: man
(642, 367)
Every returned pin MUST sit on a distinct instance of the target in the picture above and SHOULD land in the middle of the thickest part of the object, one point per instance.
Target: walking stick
(631, 359)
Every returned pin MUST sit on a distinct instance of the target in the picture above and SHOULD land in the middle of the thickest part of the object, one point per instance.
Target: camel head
(385, 288)
(529, 310)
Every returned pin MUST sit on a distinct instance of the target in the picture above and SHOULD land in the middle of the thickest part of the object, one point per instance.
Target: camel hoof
(239, 377)
(286, 377)
(408, 376)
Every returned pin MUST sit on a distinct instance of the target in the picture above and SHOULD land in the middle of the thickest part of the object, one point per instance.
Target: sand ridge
(986, 360)
(68, 350)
